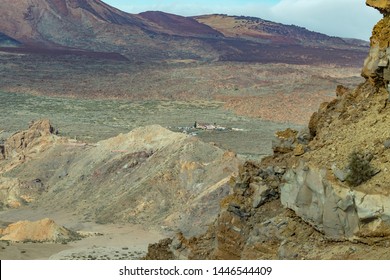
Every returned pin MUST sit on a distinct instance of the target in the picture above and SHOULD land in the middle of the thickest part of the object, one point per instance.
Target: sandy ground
(110, 242)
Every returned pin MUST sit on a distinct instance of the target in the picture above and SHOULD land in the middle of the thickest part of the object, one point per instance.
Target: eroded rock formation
(376, 67)
(150, 175)
(45, 230)
(382, 5)
(38, 135)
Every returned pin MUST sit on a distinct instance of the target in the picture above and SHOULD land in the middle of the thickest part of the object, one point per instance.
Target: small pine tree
(360, 168)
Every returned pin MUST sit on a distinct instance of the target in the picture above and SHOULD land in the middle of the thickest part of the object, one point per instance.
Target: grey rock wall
(332, 208)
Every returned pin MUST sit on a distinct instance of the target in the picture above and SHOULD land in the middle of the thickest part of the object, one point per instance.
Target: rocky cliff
(324, 193)
(376, 66)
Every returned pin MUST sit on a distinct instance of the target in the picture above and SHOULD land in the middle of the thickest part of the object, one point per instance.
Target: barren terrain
(89, 100)
(106, 242)
(152, 120)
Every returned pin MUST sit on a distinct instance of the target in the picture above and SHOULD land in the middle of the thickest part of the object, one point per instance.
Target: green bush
(360, 168)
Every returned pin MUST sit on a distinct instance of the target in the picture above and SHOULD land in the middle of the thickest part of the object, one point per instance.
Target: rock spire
(376, 66)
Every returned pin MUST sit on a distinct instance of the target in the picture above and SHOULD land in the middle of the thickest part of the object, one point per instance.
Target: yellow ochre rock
(382, 5)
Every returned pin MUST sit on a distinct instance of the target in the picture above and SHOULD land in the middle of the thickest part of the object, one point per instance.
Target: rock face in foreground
(356, 120)
(335, 210)
(315, 185)
(376, 66)
(382, 5)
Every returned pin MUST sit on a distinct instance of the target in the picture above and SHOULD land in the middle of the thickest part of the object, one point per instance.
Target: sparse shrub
(360, 168)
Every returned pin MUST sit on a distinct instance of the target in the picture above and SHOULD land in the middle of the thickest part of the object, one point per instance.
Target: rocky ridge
(298, 204)
(93, 27)
(258, 29)
(150, 176)
(376, 65)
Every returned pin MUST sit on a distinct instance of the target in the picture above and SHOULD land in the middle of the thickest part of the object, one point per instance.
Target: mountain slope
(261, 30)
(36, 20)
(155, 36)
(178, 25)
(93, 25)
(150, 176)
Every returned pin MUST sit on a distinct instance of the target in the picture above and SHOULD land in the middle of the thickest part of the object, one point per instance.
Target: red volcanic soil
(279, 107)
(60, 6)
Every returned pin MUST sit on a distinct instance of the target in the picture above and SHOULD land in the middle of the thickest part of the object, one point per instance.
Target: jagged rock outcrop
(337, 211)
(45, 230)
(376, 66)
(315, 188)
(230, 235)
(20, 148)
(252, 223)
(382, 5)
(316, 185)
(247, 230)
(30, 141)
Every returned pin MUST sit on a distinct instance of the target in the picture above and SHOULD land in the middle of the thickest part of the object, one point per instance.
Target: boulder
(337, 211)
(262, 194)
(376, 65)
(285, 141)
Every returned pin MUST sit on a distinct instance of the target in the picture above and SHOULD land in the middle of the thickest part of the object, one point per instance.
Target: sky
(343, 18)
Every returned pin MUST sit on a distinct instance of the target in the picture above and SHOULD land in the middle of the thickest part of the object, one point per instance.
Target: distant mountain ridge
(259, 29)
(95, 26)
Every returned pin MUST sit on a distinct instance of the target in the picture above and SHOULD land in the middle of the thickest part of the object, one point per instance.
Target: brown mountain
(178, 25)
(95, 26)
(257, 29)
(37, 20)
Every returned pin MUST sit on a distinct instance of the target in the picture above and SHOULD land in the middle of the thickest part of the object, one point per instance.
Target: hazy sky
(344, 18)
